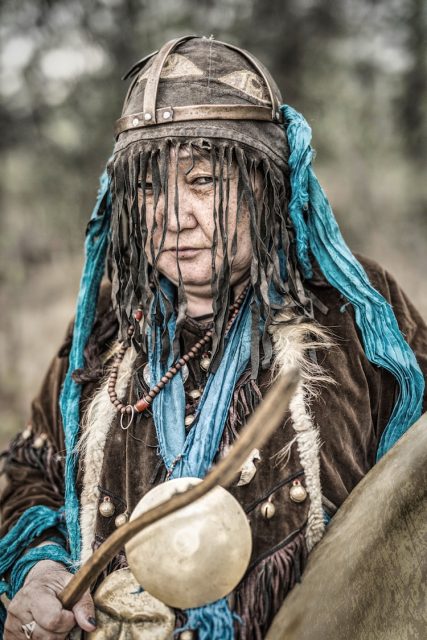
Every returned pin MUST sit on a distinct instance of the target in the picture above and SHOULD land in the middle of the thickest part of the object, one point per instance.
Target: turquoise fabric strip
(317, 230)
(33, 522)
(197, 450)
(26, 562)
(213, 621)
(93, 271)
(193, 455)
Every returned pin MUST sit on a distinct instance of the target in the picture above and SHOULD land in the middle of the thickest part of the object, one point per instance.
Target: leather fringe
(262, 592)
(246, 398)
(118, 562)
(43, 458)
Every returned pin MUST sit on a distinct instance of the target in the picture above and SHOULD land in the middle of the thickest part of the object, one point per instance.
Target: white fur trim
(291, 344)
(96, 425)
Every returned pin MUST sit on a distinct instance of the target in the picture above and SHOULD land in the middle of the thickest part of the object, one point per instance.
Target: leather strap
(196, 112)
(150, 93)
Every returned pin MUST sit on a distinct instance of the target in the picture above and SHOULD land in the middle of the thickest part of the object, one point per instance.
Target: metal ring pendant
(129, 418)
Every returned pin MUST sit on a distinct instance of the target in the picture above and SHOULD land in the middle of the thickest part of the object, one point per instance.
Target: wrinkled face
(190, 233)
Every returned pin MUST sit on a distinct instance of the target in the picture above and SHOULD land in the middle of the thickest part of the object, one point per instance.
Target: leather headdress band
(151, 115)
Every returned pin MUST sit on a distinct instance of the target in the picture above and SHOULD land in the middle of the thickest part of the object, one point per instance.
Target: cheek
(244, 247)
(149, 223)
(149, 211)
(243, 253)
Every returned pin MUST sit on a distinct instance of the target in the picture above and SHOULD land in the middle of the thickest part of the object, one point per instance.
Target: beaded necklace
(142, 404)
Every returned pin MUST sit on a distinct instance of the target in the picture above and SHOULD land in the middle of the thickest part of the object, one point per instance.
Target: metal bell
(297, 492)
(121, 519)
(188, 421)
(39, 441)
(205, 363)
(268, 509)
(106, 508)
(26, 433)
(195, 555)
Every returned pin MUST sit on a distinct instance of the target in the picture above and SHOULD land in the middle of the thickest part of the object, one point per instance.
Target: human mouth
(186, 252)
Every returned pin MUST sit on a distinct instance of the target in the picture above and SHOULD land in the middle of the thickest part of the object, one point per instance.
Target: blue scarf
(193, 454)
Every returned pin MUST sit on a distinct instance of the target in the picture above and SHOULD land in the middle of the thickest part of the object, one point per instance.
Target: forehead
(186, 154)
(188, 159)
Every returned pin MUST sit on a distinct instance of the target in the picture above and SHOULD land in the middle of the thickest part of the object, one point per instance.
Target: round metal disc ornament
(196, 555)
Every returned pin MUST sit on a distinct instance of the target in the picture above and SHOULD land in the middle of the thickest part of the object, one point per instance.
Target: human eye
(202, 181)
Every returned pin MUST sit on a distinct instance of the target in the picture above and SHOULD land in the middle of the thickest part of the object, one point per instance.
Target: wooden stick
(263, 422)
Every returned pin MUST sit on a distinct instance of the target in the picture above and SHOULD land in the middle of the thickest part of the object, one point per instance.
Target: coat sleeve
(33, 466)
(32, 472)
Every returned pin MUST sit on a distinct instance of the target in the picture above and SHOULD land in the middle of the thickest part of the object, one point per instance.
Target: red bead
(138, 315)
(141, 405)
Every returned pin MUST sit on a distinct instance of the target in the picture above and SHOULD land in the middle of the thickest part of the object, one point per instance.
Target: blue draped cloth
(192, 455)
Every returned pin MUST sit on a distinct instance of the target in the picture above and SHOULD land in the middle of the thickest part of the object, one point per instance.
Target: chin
(192, 280)
(192, 272)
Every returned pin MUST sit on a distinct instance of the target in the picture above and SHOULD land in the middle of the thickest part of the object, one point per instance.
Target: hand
(37, 600)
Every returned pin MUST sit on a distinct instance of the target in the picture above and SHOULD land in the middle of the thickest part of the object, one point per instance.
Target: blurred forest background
(357, 69)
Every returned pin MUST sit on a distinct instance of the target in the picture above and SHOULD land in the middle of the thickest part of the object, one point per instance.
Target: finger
(13, 624)
(44, 634)
(52, 616)
(84, 612)
(13, 629)
(10, 631)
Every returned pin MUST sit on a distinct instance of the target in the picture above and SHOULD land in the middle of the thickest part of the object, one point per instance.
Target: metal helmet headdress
(201, 87)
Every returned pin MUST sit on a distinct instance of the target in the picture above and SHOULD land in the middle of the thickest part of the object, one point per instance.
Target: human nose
(181, 211)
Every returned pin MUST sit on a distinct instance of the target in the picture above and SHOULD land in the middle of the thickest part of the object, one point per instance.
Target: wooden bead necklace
(144, 403)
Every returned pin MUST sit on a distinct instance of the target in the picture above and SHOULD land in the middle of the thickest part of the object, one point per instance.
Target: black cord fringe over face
(274, 276)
